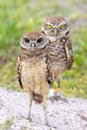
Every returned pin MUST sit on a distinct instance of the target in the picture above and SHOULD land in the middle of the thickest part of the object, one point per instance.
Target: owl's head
(55, 27)
(33, 41)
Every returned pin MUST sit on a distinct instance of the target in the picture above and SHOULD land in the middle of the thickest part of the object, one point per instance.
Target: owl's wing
(19, 68)
(49, 74)
(69, 53)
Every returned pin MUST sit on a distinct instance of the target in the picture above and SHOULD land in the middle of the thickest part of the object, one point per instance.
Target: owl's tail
(37, 97)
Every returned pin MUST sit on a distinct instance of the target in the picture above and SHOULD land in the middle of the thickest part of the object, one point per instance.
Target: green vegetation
(6, 125)
(75, 81)
(19, 17)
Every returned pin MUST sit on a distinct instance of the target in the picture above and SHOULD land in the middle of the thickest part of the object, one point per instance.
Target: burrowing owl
(34, 74)
(57, 33)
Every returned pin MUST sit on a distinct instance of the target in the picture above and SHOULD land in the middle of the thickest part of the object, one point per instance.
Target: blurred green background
(20, 16)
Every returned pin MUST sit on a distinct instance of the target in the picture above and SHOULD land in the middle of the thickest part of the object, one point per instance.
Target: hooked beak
(33, 45)
(56, 32)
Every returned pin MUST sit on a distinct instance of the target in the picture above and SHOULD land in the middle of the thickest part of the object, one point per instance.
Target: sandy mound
(61, 115)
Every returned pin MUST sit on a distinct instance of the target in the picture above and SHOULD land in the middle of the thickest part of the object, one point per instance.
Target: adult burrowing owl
(57, 34)
(34, 73)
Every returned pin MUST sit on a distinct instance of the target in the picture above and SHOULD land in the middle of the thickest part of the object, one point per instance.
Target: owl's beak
(33, 44)
(56, 32)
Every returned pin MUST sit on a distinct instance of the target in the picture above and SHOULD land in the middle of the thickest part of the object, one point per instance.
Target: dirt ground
(61, 115)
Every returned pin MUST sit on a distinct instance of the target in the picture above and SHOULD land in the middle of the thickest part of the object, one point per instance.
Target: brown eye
(26, 40)
(39, 40)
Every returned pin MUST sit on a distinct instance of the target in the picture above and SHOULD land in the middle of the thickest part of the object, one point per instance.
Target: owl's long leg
(59, 87)
(59, 94)
(45, 109)
(30, 104)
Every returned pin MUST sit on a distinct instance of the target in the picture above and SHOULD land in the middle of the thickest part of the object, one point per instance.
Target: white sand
(61, 115)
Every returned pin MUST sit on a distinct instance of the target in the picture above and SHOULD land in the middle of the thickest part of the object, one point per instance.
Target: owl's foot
(60, 96)
(30, 119)
(50, 126)
(57, 96)
(47, 124)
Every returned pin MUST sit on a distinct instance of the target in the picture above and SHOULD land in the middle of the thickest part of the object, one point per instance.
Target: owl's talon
(47, 124)
(62, 98)
(30, 119)
(57, 98)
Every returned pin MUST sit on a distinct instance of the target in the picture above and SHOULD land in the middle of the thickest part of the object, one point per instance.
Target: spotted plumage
(57, 34)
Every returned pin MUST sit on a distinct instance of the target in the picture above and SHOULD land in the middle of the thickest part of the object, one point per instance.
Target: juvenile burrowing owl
(57, 34)
(34, 73)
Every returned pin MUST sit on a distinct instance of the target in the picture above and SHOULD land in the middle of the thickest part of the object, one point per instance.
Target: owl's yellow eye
(49, 26)
(62, 26)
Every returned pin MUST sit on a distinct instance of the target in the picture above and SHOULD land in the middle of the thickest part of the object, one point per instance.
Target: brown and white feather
(57, 33)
